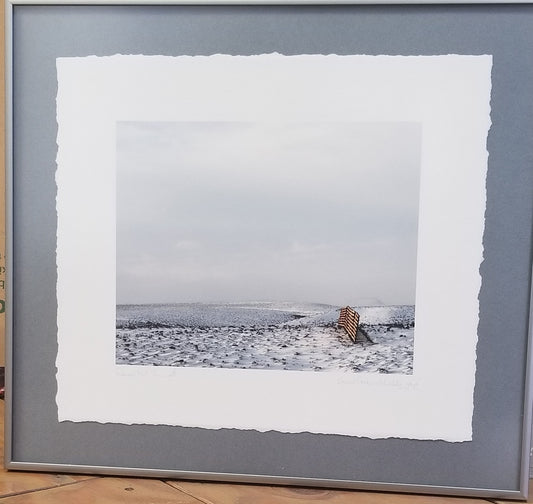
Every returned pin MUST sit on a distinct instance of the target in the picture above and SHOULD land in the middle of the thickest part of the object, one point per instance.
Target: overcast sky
(316, 212)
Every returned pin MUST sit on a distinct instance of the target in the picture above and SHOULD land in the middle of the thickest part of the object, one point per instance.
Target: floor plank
(107, 490)
(226, 493)
(14, 483)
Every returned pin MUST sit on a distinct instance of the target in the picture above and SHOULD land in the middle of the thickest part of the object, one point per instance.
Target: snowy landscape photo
(254, 235)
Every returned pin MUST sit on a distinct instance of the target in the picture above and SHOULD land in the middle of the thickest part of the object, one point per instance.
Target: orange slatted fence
(349, 321)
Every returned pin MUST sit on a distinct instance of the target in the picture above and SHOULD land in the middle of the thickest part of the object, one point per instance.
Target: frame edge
(8, 156)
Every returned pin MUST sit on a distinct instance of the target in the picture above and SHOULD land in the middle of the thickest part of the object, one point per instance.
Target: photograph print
(271, 240)
(257, 245)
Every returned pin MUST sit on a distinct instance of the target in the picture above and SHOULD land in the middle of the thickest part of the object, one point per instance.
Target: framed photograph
(284, 243)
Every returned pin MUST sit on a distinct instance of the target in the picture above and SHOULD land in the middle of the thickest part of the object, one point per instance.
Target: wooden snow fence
(349, 321)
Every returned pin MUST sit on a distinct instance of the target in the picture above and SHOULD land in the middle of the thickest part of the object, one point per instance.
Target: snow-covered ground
(282, 336)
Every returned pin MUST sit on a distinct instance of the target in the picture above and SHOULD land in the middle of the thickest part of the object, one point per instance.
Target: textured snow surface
(267, 335)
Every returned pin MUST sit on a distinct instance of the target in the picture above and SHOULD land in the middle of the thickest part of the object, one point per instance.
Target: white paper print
(227, 181)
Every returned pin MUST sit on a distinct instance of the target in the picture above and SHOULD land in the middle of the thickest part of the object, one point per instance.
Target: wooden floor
(46, 488)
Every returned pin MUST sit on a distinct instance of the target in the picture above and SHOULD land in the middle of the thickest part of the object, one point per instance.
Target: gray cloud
(323, 212)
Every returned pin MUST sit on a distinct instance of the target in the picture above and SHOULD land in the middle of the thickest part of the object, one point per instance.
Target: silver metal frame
(8, 58)
(213, 476)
